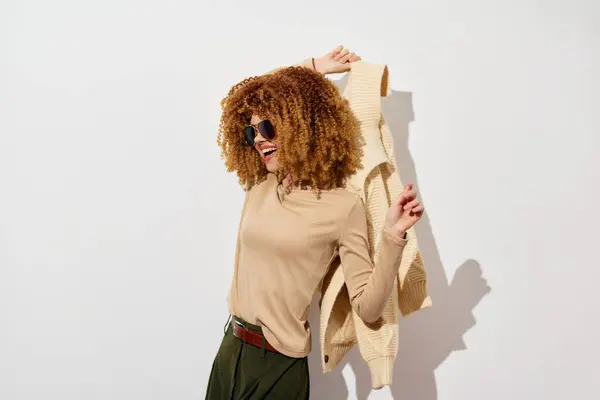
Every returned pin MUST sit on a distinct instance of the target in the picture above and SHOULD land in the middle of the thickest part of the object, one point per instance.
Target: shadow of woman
(427, 337)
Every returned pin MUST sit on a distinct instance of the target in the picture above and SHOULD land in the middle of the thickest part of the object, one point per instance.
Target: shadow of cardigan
(427, 337)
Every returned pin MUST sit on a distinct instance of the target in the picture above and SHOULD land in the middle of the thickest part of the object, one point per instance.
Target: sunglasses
(265, 128)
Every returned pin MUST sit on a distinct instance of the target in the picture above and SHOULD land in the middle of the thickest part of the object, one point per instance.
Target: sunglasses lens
(266, 129)
(249, 135)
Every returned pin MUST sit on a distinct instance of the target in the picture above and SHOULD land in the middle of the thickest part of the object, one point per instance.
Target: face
(266, 148)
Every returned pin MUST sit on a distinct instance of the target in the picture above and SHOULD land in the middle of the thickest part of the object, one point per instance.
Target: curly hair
(318, 135)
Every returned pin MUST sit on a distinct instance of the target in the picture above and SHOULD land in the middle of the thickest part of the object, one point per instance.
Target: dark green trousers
(243, 371)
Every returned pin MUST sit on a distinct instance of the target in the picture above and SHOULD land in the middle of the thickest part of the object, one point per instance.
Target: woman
(293, 142)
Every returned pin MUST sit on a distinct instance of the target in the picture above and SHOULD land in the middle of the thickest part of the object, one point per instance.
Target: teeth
(265, 151)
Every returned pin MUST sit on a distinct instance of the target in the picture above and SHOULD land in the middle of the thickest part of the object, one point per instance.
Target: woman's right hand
(336, 61)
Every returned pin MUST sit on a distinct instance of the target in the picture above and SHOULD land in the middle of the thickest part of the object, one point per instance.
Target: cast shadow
(427, 337)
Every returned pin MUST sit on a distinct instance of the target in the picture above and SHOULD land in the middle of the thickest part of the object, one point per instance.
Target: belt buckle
(239, 323)
(243, 334)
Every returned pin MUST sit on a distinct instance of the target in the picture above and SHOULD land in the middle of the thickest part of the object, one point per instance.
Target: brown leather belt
(249, 336)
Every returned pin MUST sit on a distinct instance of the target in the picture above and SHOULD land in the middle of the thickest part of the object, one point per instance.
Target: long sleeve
(232, 296)
(369, 286)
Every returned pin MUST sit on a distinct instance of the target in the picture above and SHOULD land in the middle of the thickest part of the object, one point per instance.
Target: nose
(258, 138)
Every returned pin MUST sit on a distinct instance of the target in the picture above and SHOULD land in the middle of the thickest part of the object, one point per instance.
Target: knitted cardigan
(378, 183)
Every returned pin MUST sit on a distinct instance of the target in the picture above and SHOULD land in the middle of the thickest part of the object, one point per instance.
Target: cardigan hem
(381, 371)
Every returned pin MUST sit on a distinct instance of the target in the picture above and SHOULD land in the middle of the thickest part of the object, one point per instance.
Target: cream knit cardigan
(378, 183)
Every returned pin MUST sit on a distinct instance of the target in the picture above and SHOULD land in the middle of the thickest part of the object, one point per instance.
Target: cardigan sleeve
(369, 286)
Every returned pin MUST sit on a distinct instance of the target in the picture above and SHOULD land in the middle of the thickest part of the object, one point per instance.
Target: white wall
(118, 221)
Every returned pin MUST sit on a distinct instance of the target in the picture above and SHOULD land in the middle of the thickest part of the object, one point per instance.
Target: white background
(118, 220)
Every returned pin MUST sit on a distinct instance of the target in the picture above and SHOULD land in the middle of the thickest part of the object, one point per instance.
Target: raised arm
(336, 61)
(369, 286)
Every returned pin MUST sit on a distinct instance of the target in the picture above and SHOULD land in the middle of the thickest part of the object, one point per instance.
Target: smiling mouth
(268, 153)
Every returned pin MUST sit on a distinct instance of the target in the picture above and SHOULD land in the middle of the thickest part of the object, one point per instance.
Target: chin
(272, 168)
(272, 165)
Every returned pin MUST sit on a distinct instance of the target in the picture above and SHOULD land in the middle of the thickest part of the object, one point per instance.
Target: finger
(354, 58)
(418, 209)
(410, 194)
(346, 58)
(402, 200)
(335, 51)
(416, 212)
(341, 54)
(407, 195)
(411, 204)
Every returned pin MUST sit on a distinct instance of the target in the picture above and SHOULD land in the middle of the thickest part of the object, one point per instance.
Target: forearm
(373, 288)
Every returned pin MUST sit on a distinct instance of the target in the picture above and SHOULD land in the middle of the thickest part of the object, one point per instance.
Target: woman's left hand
(336, 61)
(404, 213)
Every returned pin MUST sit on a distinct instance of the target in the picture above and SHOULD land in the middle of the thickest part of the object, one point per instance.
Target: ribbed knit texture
(412, 278)
(379, 184)
(378, 343)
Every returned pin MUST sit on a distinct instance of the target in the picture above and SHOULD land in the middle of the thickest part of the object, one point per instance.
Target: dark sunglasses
(265, 128)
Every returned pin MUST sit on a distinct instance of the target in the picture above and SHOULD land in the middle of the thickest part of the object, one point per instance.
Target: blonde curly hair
(317, 133)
